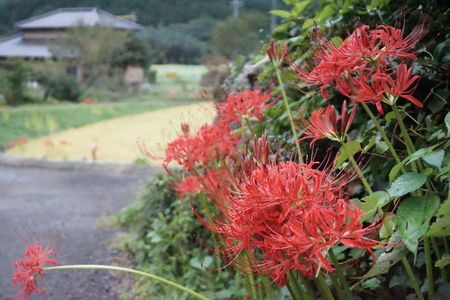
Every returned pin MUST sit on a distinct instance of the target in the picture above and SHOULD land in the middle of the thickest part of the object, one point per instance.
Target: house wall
(33, 35)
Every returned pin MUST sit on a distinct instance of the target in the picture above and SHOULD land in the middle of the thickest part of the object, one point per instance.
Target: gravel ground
(65, 207)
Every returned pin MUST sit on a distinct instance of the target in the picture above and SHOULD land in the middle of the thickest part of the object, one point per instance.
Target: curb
(21, 162)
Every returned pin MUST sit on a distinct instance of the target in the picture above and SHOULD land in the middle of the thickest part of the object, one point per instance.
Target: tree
(239, 35)
(94, 49)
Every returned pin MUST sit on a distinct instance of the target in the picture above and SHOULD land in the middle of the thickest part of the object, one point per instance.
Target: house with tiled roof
(38, 35)
(35, 33)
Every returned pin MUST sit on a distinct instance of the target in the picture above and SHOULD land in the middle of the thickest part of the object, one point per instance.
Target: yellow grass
(117, 139)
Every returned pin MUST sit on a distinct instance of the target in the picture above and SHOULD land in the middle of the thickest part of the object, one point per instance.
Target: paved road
(64, 206)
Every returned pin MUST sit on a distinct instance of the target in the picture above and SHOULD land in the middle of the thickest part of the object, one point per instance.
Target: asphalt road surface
(64, 207)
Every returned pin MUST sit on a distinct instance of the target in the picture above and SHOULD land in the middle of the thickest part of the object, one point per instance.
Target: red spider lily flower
(246, 104)
(88, 101)
(18, 141)
(323, 123)
(277, 53)
(210, 143)
(28, 269)
(284, 217)
(393, 42)
(189, 185)
(402, 86)
(366, 88)
(350, 66)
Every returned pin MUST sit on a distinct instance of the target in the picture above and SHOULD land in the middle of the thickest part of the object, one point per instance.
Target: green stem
(357, 169)
(413, 278)
(429, 267)
(340, 274)
(291, 120)
(383, 134)
(426, 241)
(308, 287)
(249, 125)
(249, 277)
(438, 253)
(323, 288)
(299, 292)
(338, 287)
(127, 270)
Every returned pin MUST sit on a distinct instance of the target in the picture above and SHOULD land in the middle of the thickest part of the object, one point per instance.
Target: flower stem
(297, 289)
(413, 278)
(383, 134)
(249, 277)
(291, 120)
(132, 271)
(426, 241)
(249, 125)
(429, 267)
(323, 288)
(438, 253)
(340, 274)
(357, 169)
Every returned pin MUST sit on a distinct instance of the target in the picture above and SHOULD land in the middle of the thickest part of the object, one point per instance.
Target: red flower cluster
(189, 185)
(323, 123)
(210, 143)
(246, 104)
(360, 67)
(30, 267)
(284, 216)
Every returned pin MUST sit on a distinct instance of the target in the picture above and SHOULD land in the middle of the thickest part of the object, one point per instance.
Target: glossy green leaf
(369, 204)
(407, 183)
(388, 226)
(281, 13)
(413, 219)
(421, 153)
(352, 147)
(385, 261)
(308, 24)
(434, 158)
(443, 262)
(440, 228)
(299, 7)
(325, 13)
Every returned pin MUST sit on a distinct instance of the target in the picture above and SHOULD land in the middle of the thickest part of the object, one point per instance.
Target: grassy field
(176, 85)
(33, 121)
(117, 140)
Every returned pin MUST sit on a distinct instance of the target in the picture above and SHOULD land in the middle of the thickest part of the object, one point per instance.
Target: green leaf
(308, 23)
(299, 7)
(326, 12)
(337, 41)
(388, 226)
(421, 153)
(444, 209)
(443, 262)
(385, 261)
(413, 219)
(352, 147)
(434, 158)
(369, 204)
(447, 122)
(406, 183)
(281, 13)
(440, 228)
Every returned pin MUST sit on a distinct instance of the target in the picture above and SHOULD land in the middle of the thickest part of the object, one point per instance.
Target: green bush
(13, 83)
(171, 46)
(64, 88)
(166, 239)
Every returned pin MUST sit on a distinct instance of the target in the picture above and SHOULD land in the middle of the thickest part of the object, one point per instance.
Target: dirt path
(65, 206)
